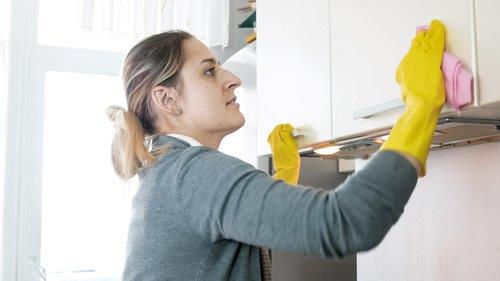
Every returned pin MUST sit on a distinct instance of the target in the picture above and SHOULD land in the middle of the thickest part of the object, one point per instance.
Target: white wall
(240, 60)
(243, 143)
(451, 227)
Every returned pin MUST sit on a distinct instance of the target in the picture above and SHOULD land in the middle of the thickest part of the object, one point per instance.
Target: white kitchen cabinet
(369, 39)
(338, 58)
(293, 69)
(488, 46)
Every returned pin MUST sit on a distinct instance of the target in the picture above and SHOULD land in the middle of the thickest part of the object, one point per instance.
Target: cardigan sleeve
(223, 197)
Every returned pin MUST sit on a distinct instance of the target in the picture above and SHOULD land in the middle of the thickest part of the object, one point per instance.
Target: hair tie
(116, 114)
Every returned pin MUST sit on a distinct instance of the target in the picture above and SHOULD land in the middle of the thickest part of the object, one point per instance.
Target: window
(68, 212)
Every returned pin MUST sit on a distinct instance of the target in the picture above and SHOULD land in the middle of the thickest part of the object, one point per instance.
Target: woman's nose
(232, 82)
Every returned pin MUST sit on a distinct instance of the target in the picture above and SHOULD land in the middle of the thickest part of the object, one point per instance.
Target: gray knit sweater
(200, 214)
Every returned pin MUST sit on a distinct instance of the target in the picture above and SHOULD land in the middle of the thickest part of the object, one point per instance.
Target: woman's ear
(166, 99)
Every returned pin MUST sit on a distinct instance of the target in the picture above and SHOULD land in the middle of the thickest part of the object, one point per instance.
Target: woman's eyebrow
(211, 60)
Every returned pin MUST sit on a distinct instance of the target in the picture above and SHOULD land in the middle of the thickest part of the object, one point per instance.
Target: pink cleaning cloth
(457, 80)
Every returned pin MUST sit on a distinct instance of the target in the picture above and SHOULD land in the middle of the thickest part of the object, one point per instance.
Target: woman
(202, 215)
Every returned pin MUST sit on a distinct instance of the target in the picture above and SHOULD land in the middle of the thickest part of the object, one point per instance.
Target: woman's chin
(242, 122)
(237, 124)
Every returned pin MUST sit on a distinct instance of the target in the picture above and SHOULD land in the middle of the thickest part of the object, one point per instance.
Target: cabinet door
(293, 69)
(368, 40)
(488, 46)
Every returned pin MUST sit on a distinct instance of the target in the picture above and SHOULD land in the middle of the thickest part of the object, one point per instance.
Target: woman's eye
(210, 72)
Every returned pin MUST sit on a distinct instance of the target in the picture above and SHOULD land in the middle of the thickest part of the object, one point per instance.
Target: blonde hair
(155, 60)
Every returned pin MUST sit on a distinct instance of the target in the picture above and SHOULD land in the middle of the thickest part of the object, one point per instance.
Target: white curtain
(208, 20)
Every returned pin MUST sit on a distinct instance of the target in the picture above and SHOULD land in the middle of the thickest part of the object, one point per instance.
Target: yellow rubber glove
(421, 80)
(286, 158)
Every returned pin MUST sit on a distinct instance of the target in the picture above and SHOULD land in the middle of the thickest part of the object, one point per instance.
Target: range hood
(450, 132)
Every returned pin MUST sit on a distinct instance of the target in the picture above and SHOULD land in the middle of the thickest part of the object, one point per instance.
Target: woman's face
(207, 93)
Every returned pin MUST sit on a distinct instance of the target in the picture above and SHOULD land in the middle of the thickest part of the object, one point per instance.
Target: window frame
(27, 65)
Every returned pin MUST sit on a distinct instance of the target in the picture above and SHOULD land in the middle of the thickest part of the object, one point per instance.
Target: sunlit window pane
(85, 207)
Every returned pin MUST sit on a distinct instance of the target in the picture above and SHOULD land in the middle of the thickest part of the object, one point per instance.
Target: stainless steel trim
(306, 150)
(450, 132)
(377, 109)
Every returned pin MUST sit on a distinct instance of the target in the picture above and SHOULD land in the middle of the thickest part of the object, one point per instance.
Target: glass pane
(85, 207)
(60, 24)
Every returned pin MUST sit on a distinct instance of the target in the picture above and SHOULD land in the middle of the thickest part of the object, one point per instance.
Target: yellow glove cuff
(413, 132)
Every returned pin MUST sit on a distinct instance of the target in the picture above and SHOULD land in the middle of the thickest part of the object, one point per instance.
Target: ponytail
(128, 152)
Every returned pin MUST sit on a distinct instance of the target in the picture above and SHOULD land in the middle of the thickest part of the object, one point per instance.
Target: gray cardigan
(200, 214)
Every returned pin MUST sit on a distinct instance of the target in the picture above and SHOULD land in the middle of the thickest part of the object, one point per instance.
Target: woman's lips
(232, 103)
